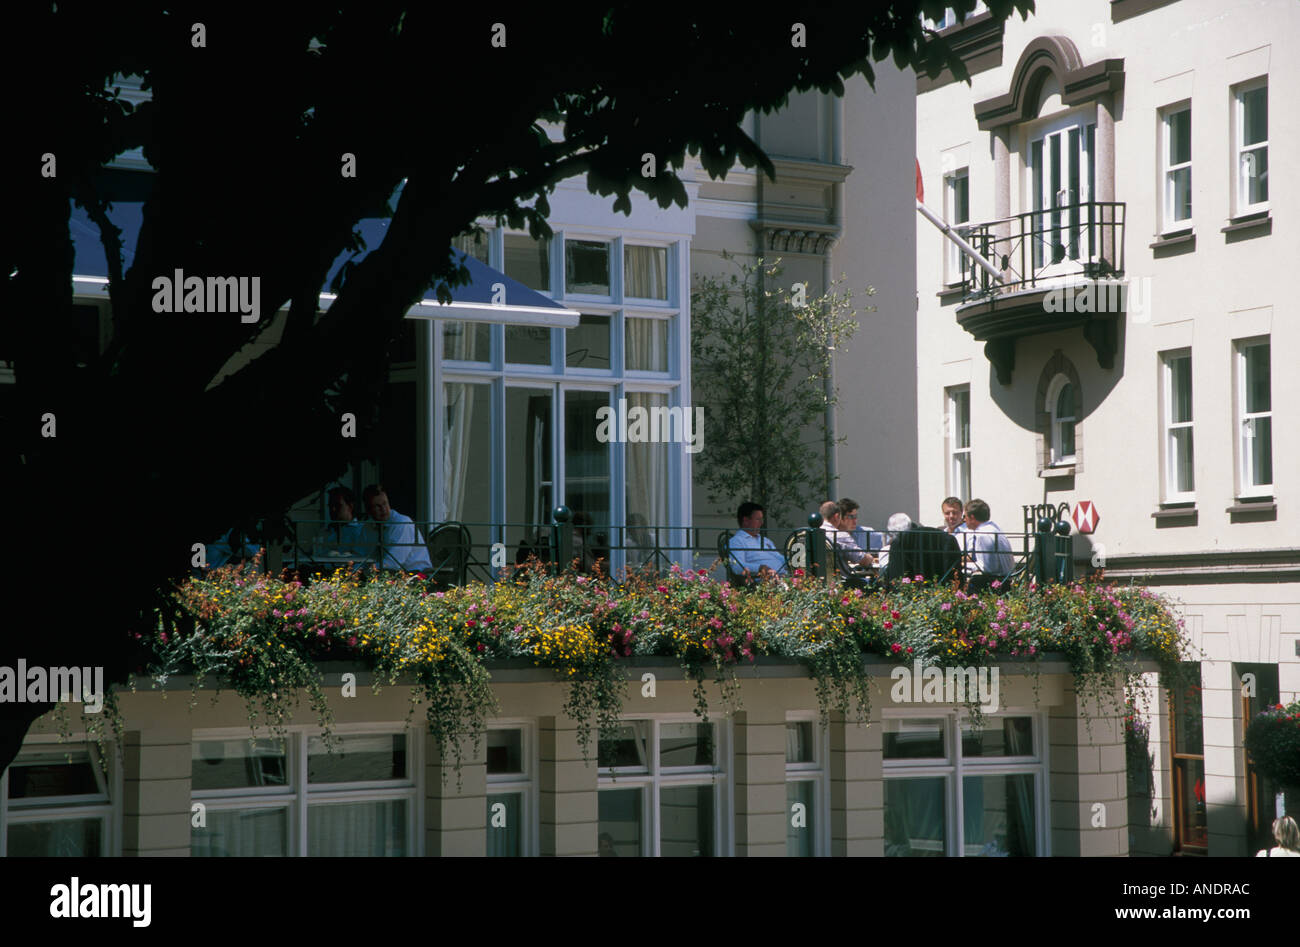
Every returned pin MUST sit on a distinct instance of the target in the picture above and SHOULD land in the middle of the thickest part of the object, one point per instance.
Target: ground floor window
(954, 790)
(272, 797)
(55, 802)
(662, 789)
(510, 803)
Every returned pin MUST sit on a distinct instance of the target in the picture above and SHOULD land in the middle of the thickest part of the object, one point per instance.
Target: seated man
(344, 535)
(400, 544)
(988, 550)
(867, 539)
(952, 515)
(850, 554)
(227, 550)
(920, 550)
(752, 554)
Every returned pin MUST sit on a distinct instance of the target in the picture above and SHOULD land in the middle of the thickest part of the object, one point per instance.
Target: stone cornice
(1207, 568)
(1056, 56)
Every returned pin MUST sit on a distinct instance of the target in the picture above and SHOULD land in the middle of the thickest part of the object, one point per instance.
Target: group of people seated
(386, 538)
(969, 544)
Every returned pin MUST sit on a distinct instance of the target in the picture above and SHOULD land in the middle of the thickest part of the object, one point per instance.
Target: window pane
(1184, 482)
(367, 829)
(999, 815)
(528, 345)
(586, 267)
(1067, 439)
(799, 833)
(686, 744)
(65, 838)
(466, 461)
(914, 818)
(505, 751)
(505, 825)
(242, 833)
(1255, 106)
(587, 346)
(1065, 402)
(475, 245)
(961, 418)
(466, 341)
(1255, 168)
(645, 344)
(645, 272)
(357, 758)
(529, 486)
(529, 261)
(50, 773)
(961, 199)
(1181, 378)
(1187, 716)
(1258, 382)
(626, 746)
(1005, 736)
(914, 739)
(586, 475)
(799, 742)
(1180, 137)
(1189, 784)
(619, 825)
(1180, 194)
(686, 822)
(1261, 451)
(235, 764)
(647, 487)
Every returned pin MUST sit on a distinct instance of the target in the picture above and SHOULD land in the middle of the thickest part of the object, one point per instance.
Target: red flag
(920, 189)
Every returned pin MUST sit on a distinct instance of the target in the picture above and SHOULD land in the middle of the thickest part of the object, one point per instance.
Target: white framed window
(662, 788)
(949, 17)
(274, 797)
(1250, 146)
(956, 200)
(588, 267)
(57, 801)
(1061, 412)
(957, 427)
(511, 788)
(953, 791)
(1254, 417)
(806, 792)
(1176, 173)
(1176, 407)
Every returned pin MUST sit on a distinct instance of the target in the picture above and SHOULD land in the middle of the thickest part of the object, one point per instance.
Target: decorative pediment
(1056, 57)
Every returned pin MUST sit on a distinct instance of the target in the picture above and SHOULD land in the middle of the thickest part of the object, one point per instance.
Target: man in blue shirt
(750, 552)
(986, 545)
(400, 544)
(345, 536)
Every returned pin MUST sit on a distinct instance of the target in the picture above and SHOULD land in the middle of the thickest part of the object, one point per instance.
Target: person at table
(400, 544)
(988, 548)
(853, 554)
(751, 553)
(227, 549)
(953, 515)
(867, 539)
(344, 535)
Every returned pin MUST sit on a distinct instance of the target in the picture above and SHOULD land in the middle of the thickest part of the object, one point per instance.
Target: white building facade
(1116, 162)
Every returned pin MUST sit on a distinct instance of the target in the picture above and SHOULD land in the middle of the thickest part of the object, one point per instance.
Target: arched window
(1060, 408)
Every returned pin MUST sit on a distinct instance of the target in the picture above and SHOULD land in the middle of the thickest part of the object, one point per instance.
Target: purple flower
(946, 607)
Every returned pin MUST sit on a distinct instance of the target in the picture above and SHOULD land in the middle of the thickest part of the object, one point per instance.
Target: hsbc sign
(1085, 516)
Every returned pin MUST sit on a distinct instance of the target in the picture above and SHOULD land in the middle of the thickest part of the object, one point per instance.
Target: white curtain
(646, 342)
(358, 828)
(645, 272)
(647, 485)
(460, 403)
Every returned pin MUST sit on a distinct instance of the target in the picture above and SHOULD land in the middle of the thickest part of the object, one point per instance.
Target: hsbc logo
(1085, 516)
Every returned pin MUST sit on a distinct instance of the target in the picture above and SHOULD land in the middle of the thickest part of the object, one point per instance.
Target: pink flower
(321, 633)
(888, 625)
(909, 650)
(352, 641)
(946, 607)
(894, 614)
(896, 647)
(995, 584)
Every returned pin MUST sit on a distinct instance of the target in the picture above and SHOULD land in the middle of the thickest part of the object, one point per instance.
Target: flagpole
(957, 239)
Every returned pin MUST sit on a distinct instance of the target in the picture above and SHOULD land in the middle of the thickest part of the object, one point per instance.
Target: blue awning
(490, 296)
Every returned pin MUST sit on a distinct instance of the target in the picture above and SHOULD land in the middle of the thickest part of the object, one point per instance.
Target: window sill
(1175, 239)
(1254, 509)
(1175, 511)
(1262, 219)
(1060, 470)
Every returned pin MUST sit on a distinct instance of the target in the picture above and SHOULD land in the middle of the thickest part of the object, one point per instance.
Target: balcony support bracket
(1001, 353)
(1103, 336)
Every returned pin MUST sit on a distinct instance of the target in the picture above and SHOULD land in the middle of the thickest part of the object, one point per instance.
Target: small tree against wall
(761, 361)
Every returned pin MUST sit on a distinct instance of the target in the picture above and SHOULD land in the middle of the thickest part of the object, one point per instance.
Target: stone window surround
(1058, 364)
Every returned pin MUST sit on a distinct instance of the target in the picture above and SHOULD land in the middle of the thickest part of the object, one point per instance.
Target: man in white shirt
(988, 548)
(401, 545)
(866, 538)
(953, 515)
(836, 535)
(751, 553)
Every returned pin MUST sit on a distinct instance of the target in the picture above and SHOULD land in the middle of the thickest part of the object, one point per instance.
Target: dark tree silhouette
(251, 113)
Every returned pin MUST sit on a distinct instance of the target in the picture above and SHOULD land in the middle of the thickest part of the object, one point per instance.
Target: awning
(489, 296)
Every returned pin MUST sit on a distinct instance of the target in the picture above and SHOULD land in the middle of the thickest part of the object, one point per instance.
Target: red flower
(888, 625)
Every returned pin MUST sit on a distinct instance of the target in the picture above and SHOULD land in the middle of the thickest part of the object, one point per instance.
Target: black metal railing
(1085, 239)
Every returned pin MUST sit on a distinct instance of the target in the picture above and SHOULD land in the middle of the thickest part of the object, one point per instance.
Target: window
(528, 261)
(1254, 418)
(510, 804)
(956, 191)
(292, 797)
(949, 17)
(645, 272)
(662, 789)
(957, 425)
(951, 790)
(804, 788)
(1251, 146)
(1177, 151)
(587, 345)
(1191, 832)
(586, 267)
(1180, 482)
(1061, 410)
(54, 802)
